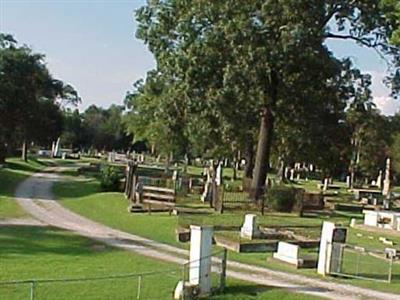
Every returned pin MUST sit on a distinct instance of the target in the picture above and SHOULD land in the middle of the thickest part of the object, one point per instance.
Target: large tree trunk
(263, 153)
(24, 155)
(249, 157)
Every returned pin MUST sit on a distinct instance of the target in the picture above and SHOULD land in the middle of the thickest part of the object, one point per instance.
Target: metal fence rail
(362, 263)
(124, 286)
(133, 286)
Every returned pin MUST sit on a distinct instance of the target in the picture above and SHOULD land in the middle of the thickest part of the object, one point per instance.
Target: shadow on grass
(76, 189)
(25, 166)
(17, 241)
(250, 290)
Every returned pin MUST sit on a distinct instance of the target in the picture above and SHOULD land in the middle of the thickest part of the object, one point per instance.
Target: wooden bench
(157, 195)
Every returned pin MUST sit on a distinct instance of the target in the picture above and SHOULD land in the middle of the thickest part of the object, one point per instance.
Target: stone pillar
(200, 257)
(329, 257)
(326, 184)
(386, 181)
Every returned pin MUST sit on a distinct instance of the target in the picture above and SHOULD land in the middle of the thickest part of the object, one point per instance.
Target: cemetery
(291, 237)
(200, 150)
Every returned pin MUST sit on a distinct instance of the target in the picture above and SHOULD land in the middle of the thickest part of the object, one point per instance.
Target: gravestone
(288, 253)
(57, 149)
(219, 174)
(208, 184)
(286, 173)
(200, 257)
(379, 180)
(250, 228)
(348, 181)
(329, 257)
(326, 184)
(291, 174)
(386, 181)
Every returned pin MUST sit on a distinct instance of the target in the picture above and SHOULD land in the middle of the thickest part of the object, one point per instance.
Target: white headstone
(218, 177)
(200, 257)
(288, 253)
(286, 173)
(326, 255)
(386, 181)
(57, 150)
(326, 184)
(291, 174)
(348, 181)
(250, 228)
(379, 180)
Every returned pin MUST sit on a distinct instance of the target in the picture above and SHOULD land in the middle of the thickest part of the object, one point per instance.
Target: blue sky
(92, 45)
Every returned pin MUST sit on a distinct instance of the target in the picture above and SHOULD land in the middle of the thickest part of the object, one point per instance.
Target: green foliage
(395, 153)
(281, 198)
(30, 98)
(110, 178)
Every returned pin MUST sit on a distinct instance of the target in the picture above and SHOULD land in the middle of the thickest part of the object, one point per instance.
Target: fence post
(139, 287)
(32, 290)
(222, 282)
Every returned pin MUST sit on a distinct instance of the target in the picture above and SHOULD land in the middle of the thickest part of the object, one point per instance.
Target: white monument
(382, 219)
(379, 180)
(200, 257)
(386, 181)
(348, 181)
(326, 184)
(328, 258)
(291, 174)
(250, 228)
(57, 150)
(288, 253)
(218, 175)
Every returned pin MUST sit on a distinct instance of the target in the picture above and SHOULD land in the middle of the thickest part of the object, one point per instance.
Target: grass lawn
(57, 254)
(11, 175)
(110, 209)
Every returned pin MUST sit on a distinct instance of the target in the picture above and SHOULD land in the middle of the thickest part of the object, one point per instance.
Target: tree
(273, 43)
(27, 90)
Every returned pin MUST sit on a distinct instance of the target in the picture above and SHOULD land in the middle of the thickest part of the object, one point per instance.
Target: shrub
(281, 198)
(110, 177)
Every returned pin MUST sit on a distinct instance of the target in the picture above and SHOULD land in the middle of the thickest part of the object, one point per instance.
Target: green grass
(110, 209)
(14, 172)
(57, 254)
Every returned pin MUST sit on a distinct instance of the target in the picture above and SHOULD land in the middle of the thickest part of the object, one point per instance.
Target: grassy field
(13, 173)
(110, 209)
(56, 254)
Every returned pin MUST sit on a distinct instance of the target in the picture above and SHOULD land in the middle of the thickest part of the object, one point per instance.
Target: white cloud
(387, 105)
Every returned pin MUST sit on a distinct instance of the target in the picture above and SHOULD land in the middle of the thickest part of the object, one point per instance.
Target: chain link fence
(151, 285)
(156, 285)
(358, 262)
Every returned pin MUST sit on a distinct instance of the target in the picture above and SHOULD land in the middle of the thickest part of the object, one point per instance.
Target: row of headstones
(200, 261)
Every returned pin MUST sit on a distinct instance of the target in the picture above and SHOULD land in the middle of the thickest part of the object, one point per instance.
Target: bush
(281, 198)
(110, 177)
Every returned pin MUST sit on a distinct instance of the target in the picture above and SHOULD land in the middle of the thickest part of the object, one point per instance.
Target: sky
(91, 44)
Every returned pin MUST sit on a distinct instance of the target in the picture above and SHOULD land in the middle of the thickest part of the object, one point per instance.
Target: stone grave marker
(200, 257)
(250, 228)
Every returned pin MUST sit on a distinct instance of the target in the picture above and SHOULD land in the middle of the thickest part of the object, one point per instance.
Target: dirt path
(35, 197)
